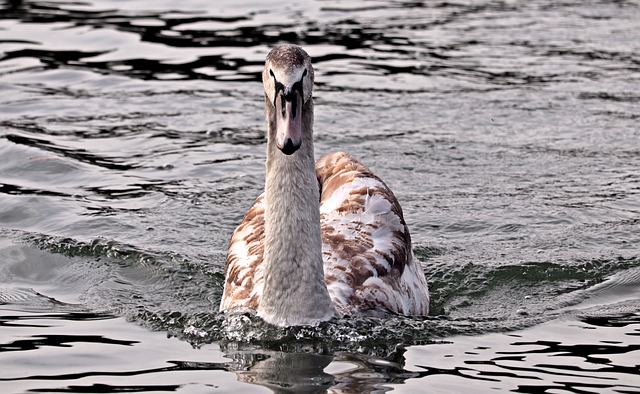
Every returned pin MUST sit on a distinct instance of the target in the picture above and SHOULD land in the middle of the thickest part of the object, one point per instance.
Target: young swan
(325, 239)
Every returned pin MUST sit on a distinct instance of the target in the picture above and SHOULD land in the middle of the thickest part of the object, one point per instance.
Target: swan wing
(244, 277)
(369, 263)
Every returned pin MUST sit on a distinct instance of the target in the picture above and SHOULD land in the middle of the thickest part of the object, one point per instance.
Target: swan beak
(288, 122)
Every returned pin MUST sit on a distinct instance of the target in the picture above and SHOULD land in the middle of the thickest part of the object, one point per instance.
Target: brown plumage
(323, 242)
(362, 273)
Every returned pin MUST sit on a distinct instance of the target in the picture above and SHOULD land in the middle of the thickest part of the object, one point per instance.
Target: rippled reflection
(406, 42)
(572, 367)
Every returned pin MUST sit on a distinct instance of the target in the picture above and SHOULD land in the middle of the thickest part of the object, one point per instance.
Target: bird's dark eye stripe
(278, 86)
(297, 87)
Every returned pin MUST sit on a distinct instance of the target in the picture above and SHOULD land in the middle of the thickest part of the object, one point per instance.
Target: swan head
(288, 83)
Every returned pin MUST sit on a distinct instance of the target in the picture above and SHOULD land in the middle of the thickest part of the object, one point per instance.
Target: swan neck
(294, 289)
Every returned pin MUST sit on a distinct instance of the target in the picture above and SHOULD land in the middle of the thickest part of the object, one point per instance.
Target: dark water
(132, 142)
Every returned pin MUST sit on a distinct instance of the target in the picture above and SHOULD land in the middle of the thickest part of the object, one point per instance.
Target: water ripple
(131, 143)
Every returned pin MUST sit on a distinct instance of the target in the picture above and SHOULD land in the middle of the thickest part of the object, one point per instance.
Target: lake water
(132, 142)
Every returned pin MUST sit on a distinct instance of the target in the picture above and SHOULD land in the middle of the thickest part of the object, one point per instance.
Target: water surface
(132, 142)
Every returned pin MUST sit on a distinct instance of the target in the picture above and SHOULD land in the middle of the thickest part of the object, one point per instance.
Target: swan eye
(278, 86)
(290, 96)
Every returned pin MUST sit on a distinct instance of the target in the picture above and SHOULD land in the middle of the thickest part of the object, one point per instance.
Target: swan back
(368, 259)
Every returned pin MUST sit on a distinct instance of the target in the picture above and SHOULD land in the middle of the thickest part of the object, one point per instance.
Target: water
(132, 142)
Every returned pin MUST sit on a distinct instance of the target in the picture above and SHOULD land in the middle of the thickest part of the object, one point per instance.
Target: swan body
(326, 238)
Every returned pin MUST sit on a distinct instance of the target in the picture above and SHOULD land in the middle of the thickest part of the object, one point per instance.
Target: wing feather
(369, 261)
(244, 279)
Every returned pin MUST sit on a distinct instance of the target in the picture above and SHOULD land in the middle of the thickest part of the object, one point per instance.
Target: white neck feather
(294, 290)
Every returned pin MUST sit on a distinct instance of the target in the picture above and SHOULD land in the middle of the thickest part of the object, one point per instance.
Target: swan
(326, 239)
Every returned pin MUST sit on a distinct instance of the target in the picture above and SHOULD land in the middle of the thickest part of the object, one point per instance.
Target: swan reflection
(318, 370)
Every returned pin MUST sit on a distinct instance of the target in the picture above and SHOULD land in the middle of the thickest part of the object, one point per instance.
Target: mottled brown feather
(366, 250)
